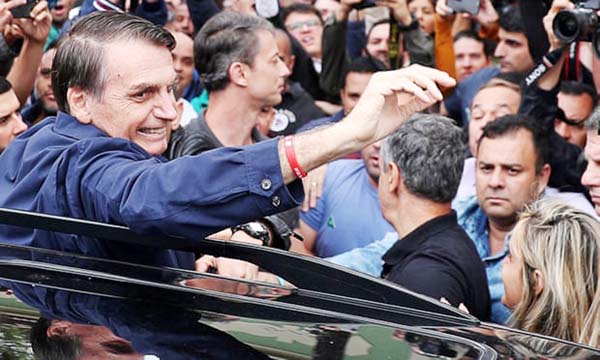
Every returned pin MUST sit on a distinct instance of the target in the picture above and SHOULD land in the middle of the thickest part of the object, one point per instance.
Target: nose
(166, 107)
(590, 176)
(20, 125)
(500, 50)
(496, 179)
(283, 69)
(562, 129)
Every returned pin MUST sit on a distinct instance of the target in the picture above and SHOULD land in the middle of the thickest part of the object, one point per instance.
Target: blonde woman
(551, 273)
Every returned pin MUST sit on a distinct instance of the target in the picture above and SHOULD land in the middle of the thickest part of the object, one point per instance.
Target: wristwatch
(255, 229)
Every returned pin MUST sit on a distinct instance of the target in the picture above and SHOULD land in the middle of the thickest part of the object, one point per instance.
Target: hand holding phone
(23, 11)
(464, 6)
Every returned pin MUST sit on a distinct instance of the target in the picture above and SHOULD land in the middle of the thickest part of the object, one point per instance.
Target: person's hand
(313, 187)
(37, 28)
(557, 5)
(442, 9)
(5, 14)
(344, 9)
(228, 267)
(461, 306)
(399, 10)
(391, 97)
(487, 15)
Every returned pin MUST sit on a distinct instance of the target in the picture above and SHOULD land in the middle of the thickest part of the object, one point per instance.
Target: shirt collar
(69, 126)
(408, 244)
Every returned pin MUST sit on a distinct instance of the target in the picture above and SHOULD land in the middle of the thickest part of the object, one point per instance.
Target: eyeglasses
(301, 24)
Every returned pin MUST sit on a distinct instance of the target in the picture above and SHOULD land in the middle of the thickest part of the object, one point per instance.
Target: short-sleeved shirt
(439, 260)
(348, 214)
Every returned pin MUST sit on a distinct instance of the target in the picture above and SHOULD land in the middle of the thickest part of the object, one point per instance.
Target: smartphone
(468, 6)
(23, 11)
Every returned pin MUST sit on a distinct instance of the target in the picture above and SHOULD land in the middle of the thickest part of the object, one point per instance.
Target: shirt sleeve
(368, 258)
(193, 196)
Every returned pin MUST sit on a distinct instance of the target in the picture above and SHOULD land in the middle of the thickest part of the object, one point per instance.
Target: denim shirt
(475, 223)
(472, 219)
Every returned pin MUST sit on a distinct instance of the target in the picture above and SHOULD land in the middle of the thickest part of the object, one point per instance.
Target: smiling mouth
(153, 132)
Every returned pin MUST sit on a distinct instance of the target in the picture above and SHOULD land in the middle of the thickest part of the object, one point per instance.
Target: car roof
(328, 310)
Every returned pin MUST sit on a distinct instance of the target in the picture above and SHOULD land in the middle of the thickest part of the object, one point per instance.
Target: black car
(74, 306)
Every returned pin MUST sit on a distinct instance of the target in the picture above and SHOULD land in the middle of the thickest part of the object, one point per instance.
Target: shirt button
(265, 184)
(276, 201)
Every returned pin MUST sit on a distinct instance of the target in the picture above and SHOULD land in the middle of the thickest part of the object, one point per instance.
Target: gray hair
(593, 121)
(430, 153)
(226, 38)
(79, 60)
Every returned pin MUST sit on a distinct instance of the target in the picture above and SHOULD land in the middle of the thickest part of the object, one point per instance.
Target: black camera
(579, 24)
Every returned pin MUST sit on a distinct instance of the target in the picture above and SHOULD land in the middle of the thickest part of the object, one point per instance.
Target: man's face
(506, 180)
(513, 52)
(591, 176)
(266, 77)
(11, 124)
(469, 55)
(378, 42)
(370, 156)
(285, 51)
(43, 83)
(576, 108)
(182, 21)
(356, 83)
(138, 101)
(183, 60)
(60, 13)
(488, 105)
(425, 14)
(308, 30)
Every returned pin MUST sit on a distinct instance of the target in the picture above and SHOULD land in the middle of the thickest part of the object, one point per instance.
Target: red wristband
(290, 154)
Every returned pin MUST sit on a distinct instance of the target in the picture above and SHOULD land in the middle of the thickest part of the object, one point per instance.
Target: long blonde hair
(564, 244)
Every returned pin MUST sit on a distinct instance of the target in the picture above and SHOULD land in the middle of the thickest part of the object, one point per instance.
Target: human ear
(543, 178)
(538, 282)
(237, 74)
(58, 328)
(77, 100)
(394, 179)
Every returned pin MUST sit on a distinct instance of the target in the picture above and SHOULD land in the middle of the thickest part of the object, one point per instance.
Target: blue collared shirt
(63, 167)
(471, 218)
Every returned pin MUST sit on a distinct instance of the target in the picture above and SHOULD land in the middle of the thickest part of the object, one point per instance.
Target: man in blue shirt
(506, 181)
(347, 214)
(99, 158)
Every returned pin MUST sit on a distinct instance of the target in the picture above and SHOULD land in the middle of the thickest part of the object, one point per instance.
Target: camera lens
(566, 26)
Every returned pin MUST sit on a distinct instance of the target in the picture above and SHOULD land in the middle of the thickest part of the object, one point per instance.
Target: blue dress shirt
(63, 167)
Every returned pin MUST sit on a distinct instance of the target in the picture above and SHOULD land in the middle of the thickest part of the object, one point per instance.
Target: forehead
(504, 35)
(592, 146)
(497, 96)
(358, 80)
(466, 44)
(146, 62)
(380, 31)
(184, 44)
(47, 58)
(520, 143)
(420, 3)
(582, 101)
(300, 16)
(8, 103)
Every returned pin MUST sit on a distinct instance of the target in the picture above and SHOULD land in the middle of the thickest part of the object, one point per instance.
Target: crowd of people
(430, 148)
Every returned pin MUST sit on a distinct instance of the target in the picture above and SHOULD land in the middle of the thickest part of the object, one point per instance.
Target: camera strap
(572, 68)
(548, 61)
